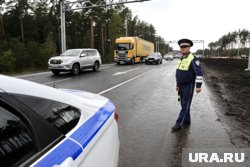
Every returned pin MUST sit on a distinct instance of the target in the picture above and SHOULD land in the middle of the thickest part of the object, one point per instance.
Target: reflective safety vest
(185, 63)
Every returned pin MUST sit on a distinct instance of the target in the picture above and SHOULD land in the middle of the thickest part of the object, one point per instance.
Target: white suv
(74, 60)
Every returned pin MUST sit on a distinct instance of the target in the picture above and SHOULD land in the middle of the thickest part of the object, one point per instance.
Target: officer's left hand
(198, 90)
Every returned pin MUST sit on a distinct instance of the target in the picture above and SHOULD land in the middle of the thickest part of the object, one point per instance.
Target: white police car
(42, 126)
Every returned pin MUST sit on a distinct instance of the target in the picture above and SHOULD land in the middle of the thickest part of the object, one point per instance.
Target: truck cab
(125, 51)
(131, 50)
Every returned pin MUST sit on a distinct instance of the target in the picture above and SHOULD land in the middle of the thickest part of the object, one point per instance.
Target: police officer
(188, 76)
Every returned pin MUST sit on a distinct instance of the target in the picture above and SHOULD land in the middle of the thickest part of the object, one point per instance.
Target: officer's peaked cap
(185, 42)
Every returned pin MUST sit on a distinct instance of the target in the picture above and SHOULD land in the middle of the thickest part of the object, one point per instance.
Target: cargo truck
(132, 50)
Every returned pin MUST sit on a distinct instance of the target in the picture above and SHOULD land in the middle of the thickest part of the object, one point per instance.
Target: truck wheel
(55, 72)
(75, 69)
(96, 66)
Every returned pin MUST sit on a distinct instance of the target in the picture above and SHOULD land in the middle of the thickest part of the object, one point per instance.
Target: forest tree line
(30, 32)
(232, 44)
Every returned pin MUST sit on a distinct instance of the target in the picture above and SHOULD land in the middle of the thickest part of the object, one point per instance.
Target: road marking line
(116, 86)
(21, 76)
(108, 64)
(46, 83)
(103, 68)
(124, 72)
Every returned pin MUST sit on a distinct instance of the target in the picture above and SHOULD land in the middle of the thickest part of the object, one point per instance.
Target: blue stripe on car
(67, 149)
(83, 135)
(88, 130)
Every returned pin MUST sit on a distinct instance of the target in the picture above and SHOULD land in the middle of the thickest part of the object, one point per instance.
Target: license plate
(56, 66)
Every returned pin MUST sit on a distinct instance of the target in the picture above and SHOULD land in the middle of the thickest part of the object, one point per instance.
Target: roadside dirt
(230, 86)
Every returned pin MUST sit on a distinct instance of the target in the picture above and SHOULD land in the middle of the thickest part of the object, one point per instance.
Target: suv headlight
(66, 60)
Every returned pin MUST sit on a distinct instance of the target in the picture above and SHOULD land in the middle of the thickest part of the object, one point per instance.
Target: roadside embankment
(230, 85)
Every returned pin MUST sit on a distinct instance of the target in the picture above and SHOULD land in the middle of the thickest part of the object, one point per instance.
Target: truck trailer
(132, 50)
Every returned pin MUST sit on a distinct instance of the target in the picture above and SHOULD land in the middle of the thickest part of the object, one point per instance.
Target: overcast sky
(194, 19)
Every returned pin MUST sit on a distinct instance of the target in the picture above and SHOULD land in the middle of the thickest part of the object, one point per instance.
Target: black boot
(176, 127)
(187, 123)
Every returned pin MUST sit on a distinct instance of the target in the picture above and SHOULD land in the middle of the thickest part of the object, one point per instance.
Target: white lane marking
(124, 72)
(46, 83)
(28, 75)
(21, 76)
(103, 68)
(116, 86)
(108, 64)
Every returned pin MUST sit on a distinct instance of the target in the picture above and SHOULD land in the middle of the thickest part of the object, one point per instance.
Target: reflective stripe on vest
(185, 63)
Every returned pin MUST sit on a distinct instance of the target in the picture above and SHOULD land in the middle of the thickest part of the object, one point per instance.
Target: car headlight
(66, 60)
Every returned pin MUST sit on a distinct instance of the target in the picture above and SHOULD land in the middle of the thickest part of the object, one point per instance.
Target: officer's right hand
(177, 88)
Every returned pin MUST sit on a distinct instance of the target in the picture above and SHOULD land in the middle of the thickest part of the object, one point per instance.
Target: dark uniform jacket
(189, 71)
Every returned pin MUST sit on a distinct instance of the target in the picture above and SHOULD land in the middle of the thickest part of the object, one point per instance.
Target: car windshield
(122, 46)
(71, 52)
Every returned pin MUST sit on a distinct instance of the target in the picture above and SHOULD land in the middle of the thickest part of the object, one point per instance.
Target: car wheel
(118, 63)
(141, 61)
(55, 72)
(96, 66)
(75, 69)
(132, 61)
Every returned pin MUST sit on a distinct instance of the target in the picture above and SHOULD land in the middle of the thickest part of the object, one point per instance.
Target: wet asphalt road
(147, 103)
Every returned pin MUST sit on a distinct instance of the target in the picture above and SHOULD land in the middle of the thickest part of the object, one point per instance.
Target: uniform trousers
(186, 95)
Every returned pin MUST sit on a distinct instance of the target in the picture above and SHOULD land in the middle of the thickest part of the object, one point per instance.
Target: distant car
(74, 60)
(154, 58)
(168, 57)
(42, 126)
(244, 56)
(198, 56)
(177, 56)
